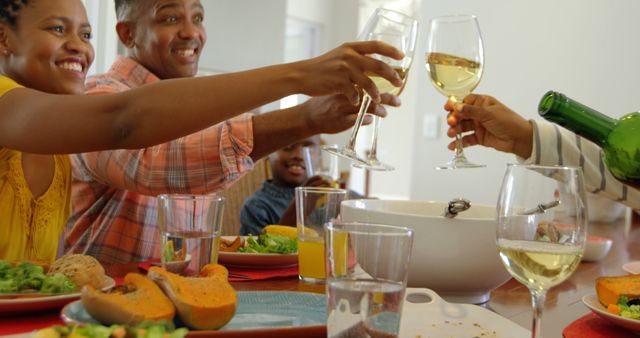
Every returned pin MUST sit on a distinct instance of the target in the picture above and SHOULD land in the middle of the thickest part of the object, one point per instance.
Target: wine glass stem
(459, 147)
(537, 302)
(374, 142)
(366, 100)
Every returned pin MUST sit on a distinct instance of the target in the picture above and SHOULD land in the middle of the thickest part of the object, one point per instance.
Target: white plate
(632, 267)
(433, 317)
(591, 301)
(256, 260)
(39, 303)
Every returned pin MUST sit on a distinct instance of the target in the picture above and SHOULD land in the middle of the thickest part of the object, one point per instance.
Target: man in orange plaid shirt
(114, 208)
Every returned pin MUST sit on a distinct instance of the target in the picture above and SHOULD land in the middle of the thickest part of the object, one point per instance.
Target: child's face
(287, 164)
(169, 37)
(49, 47)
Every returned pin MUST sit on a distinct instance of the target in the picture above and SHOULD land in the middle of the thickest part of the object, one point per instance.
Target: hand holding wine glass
(338, 70)
(455, 61)
(400, 31)
(542, 225)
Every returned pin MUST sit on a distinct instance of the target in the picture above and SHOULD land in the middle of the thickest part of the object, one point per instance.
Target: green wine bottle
(619, 139)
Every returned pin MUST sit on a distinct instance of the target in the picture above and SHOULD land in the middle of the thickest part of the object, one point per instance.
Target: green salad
(270, 243)
(28, 277)
(148, 329)
(626, 310)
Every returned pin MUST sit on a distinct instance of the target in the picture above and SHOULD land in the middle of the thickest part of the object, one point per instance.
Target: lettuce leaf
(270, 243)
(626, 310)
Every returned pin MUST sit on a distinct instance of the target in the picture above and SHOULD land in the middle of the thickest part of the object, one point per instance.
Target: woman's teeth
(75, 66)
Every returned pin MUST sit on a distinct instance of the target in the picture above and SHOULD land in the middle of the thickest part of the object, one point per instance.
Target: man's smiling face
(168, 36)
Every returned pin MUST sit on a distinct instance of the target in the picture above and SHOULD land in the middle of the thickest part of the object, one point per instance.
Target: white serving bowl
(457, 258)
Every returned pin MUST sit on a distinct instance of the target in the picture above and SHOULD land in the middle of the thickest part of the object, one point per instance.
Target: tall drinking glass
(400, 31)
(542, 225)
(190, 227)
(314, 208)
(367, 269)
(455, 60)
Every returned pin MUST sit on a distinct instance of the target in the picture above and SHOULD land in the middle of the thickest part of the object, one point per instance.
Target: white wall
(338, 21)
(587, 49)
(317, 12)
(102, 16)
(243, 34)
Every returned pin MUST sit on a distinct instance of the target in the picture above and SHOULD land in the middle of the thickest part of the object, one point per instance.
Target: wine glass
(400, 31)
(455, 61)
(398, 40)
(542, 226)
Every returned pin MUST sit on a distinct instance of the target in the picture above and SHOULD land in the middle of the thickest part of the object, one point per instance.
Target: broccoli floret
(28, 276)
(7, 286)
(4, 268)
(58, 283)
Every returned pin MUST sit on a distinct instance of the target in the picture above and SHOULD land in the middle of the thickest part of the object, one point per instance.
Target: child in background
(274, 202)
(45, 49)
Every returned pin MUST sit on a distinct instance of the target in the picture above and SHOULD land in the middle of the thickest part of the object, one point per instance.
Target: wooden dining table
(511, 300)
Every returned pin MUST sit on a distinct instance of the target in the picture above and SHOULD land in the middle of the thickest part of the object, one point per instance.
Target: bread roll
(81, 269)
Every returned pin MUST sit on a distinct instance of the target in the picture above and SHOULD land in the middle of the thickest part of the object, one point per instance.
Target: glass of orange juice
(314, 208)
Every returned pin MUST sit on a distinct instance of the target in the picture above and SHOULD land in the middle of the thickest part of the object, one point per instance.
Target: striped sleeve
(553, 145)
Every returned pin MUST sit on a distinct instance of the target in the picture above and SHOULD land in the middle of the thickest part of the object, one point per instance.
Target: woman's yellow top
(31, 227)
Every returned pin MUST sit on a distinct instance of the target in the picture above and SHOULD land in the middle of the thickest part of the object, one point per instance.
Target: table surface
(512, 300)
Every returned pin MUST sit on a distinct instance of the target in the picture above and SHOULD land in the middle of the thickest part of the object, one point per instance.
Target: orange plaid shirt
(114, 211)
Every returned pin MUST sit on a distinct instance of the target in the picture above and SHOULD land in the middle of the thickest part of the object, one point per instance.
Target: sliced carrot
(613, 308)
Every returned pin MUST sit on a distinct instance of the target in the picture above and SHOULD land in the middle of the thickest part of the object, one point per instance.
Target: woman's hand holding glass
(455, 61)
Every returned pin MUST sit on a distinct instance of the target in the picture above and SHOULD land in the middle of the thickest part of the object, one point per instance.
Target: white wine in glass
(453, 76)
(384, 86)
(455, 60)
(400, 31)
(542, 226)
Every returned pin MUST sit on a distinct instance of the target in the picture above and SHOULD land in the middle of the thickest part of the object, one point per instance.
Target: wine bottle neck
(573, 115)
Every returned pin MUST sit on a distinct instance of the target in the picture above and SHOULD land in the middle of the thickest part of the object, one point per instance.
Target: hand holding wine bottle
(488, 122)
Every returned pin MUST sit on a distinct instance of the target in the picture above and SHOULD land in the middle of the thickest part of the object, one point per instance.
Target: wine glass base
(345, 153)
(374, 164)
(459, 162)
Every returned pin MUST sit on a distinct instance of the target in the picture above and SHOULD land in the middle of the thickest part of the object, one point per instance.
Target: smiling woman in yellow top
(45, 48)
